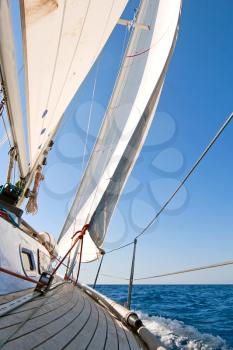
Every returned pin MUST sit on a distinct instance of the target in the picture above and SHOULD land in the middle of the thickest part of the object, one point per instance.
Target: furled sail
(9, 79)
(62, 39)
(126, 124)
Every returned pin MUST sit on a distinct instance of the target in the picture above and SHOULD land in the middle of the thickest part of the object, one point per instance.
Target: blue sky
(196, 99)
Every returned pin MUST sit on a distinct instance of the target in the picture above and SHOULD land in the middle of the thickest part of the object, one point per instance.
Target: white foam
(176, 335)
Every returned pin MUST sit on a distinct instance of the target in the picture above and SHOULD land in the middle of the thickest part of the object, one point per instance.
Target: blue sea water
(196, 317)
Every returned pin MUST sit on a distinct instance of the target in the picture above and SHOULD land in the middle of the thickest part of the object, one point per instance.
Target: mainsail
(126, 124)
(62, 40)
(9, 80)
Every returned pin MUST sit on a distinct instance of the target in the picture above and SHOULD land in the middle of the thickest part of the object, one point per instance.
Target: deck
(65, 318)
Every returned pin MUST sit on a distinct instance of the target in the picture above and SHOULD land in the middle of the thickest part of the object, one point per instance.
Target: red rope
(82, 232)
(4, 215)
(80, 258)
(54, 257)
(25, 278)
(80, 236)
(20, 276)
(138, 53)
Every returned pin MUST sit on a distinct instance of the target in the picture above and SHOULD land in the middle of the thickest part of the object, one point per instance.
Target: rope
(14, 173)
(113, 276)
(110, 147)
(189, 173)
(20, 276)
(225, 263)
(1, 114)
(3, 140)
(6, 131)
(124, 45)
(32, 207)
(28, 317)
(80, 259)
(54, 257)
(90, 113)
(80, 236)
(226, 123)
(103, 167)
(121, 247)
(199, 268)
(69, 263)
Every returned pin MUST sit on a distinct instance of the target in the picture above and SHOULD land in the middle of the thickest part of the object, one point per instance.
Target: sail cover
(126, 124)
(9, 78)
(62, 39)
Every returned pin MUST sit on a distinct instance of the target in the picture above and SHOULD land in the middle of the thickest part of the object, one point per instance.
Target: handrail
(128, 317)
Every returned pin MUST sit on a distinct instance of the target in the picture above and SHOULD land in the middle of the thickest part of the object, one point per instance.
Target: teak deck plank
(112, 338)
(9, 297)
(65, 318)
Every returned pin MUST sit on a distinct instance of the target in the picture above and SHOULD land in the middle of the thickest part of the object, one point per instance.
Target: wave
(175, 334)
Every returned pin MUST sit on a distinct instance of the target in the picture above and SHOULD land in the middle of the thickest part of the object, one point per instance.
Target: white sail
(126, 124)
(9, 78)
(62, 40)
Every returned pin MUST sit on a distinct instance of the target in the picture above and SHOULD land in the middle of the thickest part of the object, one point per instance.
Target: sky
(196, 229)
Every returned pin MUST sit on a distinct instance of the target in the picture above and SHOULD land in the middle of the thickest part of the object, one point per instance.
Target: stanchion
(128, 303)
(98, 271)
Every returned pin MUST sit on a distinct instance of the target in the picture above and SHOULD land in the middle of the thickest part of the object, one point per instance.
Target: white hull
(15, 247)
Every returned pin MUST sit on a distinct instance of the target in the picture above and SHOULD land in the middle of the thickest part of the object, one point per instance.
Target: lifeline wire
(199, 268)
(228, 120)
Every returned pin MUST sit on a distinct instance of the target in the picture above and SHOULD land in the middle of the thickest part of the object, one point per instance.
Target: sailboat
(62, 40)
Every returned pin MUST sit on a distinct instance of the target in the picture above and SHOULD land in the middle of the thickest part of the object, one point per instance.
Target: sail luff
(127, 119)
(9, 77)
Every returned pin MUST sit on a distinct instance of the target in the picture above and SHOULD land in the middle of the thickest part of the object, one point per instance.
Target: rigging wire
(194, 269)
(61, 234)
(150, 223)
(86, 140)
(127, 30)
(121, 247)
(6, 131)
(90, 111)
(3, 140)
(14, 172)
(114, 276)
(125, 47)
(110, 147)
(188, 175)
(3, 120)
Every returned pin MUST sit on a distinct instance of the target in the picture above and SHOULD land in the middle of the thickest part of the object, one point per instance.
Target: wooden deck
(65, 318)
(11, 296)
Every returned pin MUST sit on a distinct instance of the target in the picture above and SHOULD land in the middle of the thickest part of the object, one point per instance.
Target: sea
(196, 317)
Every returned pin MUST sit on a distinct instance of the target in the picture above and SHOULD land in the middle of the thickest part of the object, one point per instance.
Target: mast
(10, 84)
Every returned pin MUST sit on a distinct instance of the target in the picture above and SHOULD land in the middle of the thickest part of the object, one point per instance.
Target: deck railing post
(80, 260)
(128, 303)
(98, 271)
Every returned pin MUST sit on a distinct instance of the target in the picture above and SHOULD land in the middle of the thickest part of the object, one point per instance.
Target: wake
(175, 334)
